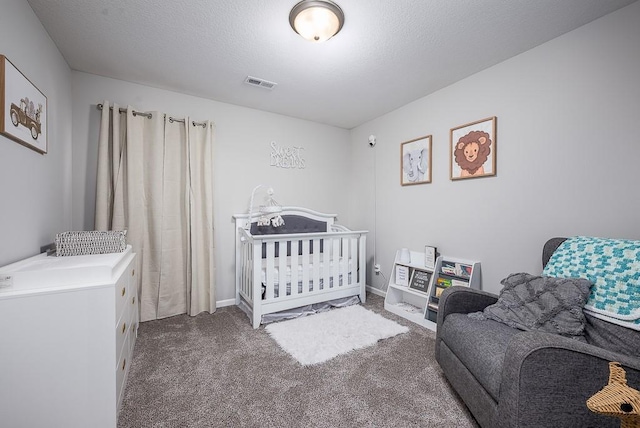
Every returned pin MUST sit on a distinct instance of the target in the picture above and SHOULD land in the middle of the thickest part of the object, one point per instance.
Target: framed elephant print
(472, 150)
(415, 161)
(23, 108)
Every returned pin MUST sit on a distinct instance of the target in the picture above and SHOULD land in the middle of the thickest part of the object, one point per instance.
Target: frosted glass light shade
(316, 21)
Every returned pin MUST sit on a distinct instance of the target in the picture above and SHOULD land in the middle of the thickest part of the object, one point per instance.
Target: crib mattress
(276, 277)
(276, 271)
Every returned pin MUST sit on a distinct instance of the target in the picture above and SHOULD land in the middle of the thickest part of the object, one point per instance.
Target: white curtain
(155, 180)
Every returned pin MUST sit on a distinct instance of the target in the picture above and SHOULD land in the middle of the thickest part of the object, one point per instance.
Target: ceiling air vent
(254, 81)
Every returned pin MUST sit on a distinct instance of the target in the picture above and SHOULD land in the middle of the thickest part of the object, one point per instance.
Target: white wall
(242, 158)
(567, 155)
(35, 189)
(567, 114)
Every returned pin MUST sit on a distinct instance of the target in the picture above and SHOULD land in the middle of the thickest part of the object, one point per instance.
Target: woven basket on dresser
(90, 242)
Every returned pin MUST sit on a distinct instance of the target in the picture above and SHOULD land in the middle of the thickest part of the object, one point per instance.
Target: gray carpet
(216, 371)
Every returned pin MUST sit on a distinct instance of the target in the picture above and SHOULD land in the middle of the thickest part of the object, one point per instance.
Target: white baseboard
(376, 291)
(223, 303)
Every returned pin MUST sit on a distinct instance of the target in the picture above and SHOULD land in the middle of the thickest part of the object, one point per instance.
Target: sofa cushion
(553, 305)
(612, 337)
(480, 346)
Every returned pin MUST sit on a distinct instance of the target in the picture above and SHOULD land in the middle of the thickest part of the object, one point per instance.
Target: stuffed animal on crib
(617, 399)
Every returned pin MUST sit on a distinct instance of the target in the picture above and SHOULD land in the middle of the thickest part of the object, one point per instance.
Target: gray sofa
(515, 378)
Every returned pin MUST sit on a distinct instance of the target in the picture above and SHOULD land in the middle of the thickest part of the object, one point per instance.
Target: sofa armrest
(547, 379)
(463, 300)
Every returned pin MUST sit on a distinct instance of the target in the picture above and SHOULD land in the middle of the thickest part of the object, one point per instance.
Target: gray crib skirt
(304, 310)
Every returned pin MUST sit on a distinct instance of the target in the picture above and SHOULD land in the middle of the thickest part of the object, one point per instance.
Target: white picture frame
(415, 161)
(430, 254)
(402, 275)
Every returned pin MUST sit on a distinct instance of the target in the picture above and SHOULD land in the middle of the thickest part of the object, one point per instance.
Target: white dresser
(67, 331)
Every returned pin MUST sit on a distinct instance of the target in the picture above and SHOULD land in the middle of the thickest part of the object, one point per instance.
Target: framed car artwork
(23, 108)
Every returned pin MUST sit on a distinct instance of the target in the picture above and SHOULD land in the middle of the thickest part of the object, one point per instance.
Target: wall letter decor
(286, 157)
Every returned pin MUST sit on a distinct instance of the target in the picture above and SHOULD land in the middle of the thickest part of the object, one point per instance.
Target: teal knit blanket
(612, 266)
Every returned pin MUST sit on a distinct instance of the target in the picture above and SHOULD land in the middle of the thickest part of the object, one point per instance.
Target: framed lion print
(23, 108)
(472, 150)
(415, 161)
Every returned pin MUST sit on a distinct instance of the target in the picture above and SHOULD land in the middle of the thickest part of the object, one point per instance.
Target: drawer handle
(124, 290)
(133, 272)
(124, 363)
(133, 300)
(124, 327)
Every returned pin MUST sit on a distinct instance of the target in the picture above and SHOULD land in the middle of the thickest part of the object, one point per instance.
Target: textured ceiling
(389, 52)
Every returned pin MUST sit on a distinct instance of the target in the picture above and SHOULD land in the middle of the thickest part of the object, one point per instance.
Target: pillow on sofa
(554, 305)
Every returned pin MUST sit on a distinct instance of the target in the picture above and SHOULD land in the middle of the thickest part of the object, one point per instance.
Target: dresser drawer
(122, 294)
(133, 302)
(122, 330)
(121, 371)
(126, 288)
(131, 337)
(133, 323)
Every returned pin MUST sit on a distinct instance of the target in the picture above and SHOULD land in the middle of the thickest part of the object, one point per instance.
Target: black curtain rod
(149, 115)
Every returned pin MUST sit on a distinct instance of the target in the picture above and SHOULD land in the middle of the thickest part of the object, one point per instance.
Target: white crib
(330, 262)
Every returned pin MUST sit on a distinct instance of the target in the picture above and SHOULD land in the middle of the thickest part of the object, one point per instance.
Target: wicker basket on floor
(617, 399)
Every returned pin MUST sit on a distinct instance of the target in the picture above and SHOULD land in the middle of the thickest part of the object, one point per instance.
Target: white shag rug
(317, 338)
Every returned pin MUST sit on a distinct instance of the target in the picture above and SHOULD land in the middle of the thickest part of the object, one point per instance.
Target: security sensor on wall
(376, 266)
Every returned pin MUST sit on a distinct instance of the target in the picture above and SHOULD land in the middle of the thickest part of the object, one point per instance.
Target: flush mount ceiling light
(316, 21)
